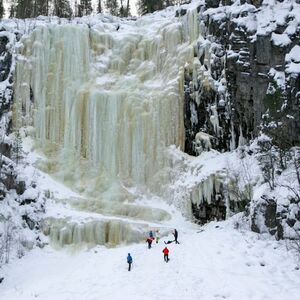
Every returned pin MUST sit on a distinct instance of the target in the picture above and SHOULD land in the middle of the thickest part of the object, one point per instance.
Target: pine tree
(112, 6)
(1, 9)
(24, 9)
(40, 8)
(122, 11)
(99, 7)
(86, 7)
(12, 9)
(17, 147)
(145, 6)
(128, 9)
(76, 9)
(149, 6)
(62, 9)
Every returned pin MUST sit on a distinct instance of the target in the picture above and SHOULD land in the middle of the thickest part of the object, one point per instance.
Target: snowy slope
(217, 263)
(221, 260)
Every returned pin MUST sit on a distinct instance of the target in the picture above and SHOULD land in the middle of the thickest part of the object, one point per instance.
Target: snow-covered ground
(212, 262)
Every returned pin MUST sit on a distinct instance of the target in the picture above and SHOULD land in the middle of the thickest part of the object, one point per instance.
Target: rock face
(208, 200)
(247, 54)
(21, 206)
(6, 92)
(279, 220)
(206, 212)
(263, 218)
(243, 57)
(6, 78)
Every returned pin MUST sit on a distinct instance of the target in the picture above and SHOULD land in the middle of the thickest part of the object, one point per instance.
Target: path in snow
(218, 263)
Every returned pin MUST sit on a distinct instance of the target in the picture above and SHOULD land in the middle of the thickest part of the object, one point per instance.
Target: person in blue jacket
(129, 261)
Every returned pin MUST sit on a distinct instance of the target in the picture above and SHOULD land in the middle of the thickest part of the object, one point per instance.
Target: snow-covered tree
(1, 9)
(17, 147)
(122, 11)
(28, 8)
(128, 8)
(112, 6)
(40, 8)
(149, 6)
(85, 7)
(99, 7)
(24, 9)
(6, 239)
(124, 8)
(12, 8)
(62, 9)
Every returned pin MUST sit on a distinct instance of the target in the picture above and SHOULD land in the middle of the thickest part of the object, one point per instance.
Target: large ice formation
(105, 105)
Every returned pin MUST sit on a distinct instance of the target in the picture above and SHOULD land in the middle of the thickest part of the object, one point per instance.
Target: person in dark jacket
(166, 254)
(175, 233)
(149, 241)
(129, 261)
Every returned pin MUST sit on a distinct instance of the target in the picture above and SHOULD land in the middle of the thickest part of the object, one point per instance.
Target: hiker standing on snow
(176, 236)
(166, 254)
(129, 261)
(149, 241)
(151, 234)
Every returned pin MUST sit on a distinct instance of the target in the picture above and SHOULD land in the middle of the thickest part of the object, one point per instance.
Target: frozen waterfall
(105, 104)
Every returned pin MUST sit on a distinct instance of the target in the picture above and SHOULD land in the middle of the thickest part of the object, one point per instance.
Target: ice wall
(206, 190)
(209, 198)
(105, 104)
(64, 232)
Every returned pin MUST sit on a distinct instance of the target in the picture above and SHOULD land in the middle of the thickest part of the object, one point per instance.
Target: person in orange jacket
(166, 254)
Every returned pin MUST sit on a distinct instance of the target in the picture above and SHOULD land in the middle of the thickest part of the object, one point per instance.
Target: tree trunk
(127, 9)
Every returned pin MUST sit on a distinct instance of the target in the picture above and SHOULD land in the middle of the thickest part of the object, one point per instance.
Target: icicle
(192, 25)
(214, 119)
(232, 141)
(194, 115)
(242, 140)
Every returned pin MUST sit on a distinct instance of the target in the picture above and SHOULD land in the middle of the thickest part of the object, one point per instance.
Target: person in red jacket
(149, 241)
(166, 254)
